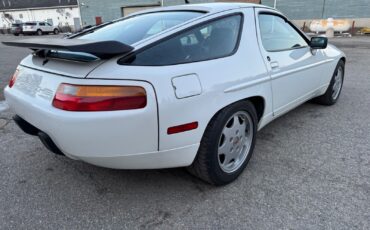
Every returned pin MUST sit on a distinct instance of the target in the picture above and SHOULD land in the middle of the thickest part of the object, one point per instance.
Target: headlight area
(93, 98)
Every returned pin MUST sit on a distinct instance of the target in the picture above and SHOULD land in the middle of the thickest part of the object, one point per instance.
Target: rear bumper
(32, 130)
(179, 157)
(125, 139)
(153, 160)
(95, 141)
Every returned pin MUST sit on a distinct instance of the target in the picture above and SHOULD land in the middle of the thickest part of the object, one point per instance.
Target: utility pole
(275, 2)
(323, 9)
(162, 3)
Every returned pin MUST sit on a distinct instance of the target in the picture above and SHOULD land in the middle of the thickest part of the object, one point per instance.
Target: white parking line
(3, 106)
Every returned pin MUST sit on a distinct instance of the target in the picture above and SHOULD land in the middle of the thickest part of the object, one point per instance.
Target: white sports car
(184, 86)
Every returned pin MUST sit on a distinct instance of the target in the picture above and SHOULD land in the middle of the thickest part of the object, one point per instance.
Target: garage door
(129, 10)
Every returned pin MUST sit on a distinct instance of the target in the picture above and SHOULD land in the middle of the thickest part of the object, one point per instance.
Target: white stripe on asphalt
(3, 106)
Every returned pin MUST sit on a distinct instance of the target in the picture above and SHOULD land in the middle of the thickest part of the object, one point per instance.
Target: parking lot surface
(310, 170)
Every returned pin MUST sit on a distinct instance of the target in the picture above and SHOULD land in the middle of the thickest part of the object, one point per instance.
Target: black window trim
(121, 61)
(303, 35)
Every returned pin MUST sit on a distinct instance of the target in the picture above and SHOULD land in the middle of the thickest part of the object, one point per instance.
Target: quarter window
(209, 41)
(277, 34)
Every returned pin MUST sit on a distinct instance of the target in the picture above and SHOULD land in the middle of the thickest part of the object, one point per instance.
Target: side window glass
(210, 41)
(277, 34)
(42, 24)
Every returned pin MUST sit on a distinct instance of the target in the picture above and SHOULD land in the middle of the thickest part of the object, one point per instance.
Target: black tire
(39, 32)
(328, 98)
(206, 164)
(56, 31)
(16, 34)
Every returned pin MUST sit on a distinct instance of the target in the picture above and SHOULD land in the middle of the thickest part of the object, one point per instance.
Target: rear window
(215, 39)
(30, 23)
(134, 29)
(16, 25)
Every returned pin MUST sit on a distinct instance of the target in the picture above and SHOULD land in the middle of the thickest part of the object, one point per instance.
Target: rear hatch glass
(136, 28)
(128, 31)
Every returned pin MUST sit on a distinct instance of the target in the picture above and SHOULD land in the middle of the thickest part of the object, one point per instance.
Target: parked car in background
(17, 29)
(39, 28)
(184, 86)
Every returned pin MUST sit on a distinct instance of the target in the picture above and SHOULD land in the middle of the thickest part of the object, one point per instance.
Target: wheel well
(343, 59)
(259, 105)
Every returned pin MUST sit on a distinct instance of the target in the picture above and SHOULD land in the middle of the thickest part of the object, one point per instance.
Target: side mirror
(319, 42)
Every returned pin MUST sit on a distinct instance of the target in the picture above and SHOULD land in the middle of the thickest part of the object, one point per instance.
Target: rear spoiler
(100, 49)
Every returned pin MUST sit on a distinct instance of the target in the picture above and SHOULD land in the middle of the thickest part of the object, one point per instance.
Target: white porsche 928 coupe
(184, 86)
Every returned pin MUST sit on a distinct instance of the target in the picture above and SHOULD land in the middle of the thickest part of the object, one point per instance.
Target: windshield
(134, 29)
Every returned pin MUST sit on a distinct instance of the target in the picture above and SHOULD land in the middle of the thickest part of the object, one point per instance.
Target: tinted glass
(212, 40)
(42, 24)
(30, 24)
(277, 34)
(136, 28)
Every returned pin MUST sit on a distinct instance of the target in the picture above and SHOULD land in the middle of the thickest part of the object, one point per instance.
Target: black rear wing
(100, 49)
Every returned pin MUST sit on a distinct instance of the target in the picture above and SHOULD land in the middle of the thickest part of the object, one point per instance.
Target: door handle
(274, 64)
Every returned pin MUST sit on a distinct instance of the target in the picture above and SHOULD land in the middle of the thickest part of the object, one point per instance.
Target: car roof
(205, 7)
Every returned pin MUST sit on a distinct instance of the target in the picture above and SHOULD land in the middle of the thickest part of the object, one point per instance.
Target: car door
(294, 67)
(42, 26)
(50, 28)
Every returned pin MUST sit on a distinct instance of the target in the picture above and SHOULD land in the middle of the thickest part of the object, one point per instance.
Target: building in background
(64, 13)
(304, 11)
(98, 11)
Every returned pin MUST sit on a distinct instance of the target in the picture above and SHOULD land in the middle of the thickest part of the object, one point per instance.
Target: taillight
(99, 98)
(13, 79)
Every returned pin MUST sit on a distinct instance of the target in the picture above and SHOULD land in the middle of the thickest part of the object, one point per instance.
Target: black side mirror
(319, 42)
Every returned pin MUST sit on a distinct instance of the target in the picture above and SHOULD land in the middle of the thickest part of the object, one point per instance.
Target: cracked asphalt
(310, 170)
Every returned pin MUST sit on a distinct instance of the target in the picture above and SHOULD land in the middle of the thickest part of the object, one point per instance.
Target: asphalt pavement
(310, 170)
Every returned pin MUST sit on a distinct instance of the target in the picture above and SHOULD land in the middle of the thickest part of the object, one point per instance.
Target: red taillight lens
(13, 79)
(99, 98)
